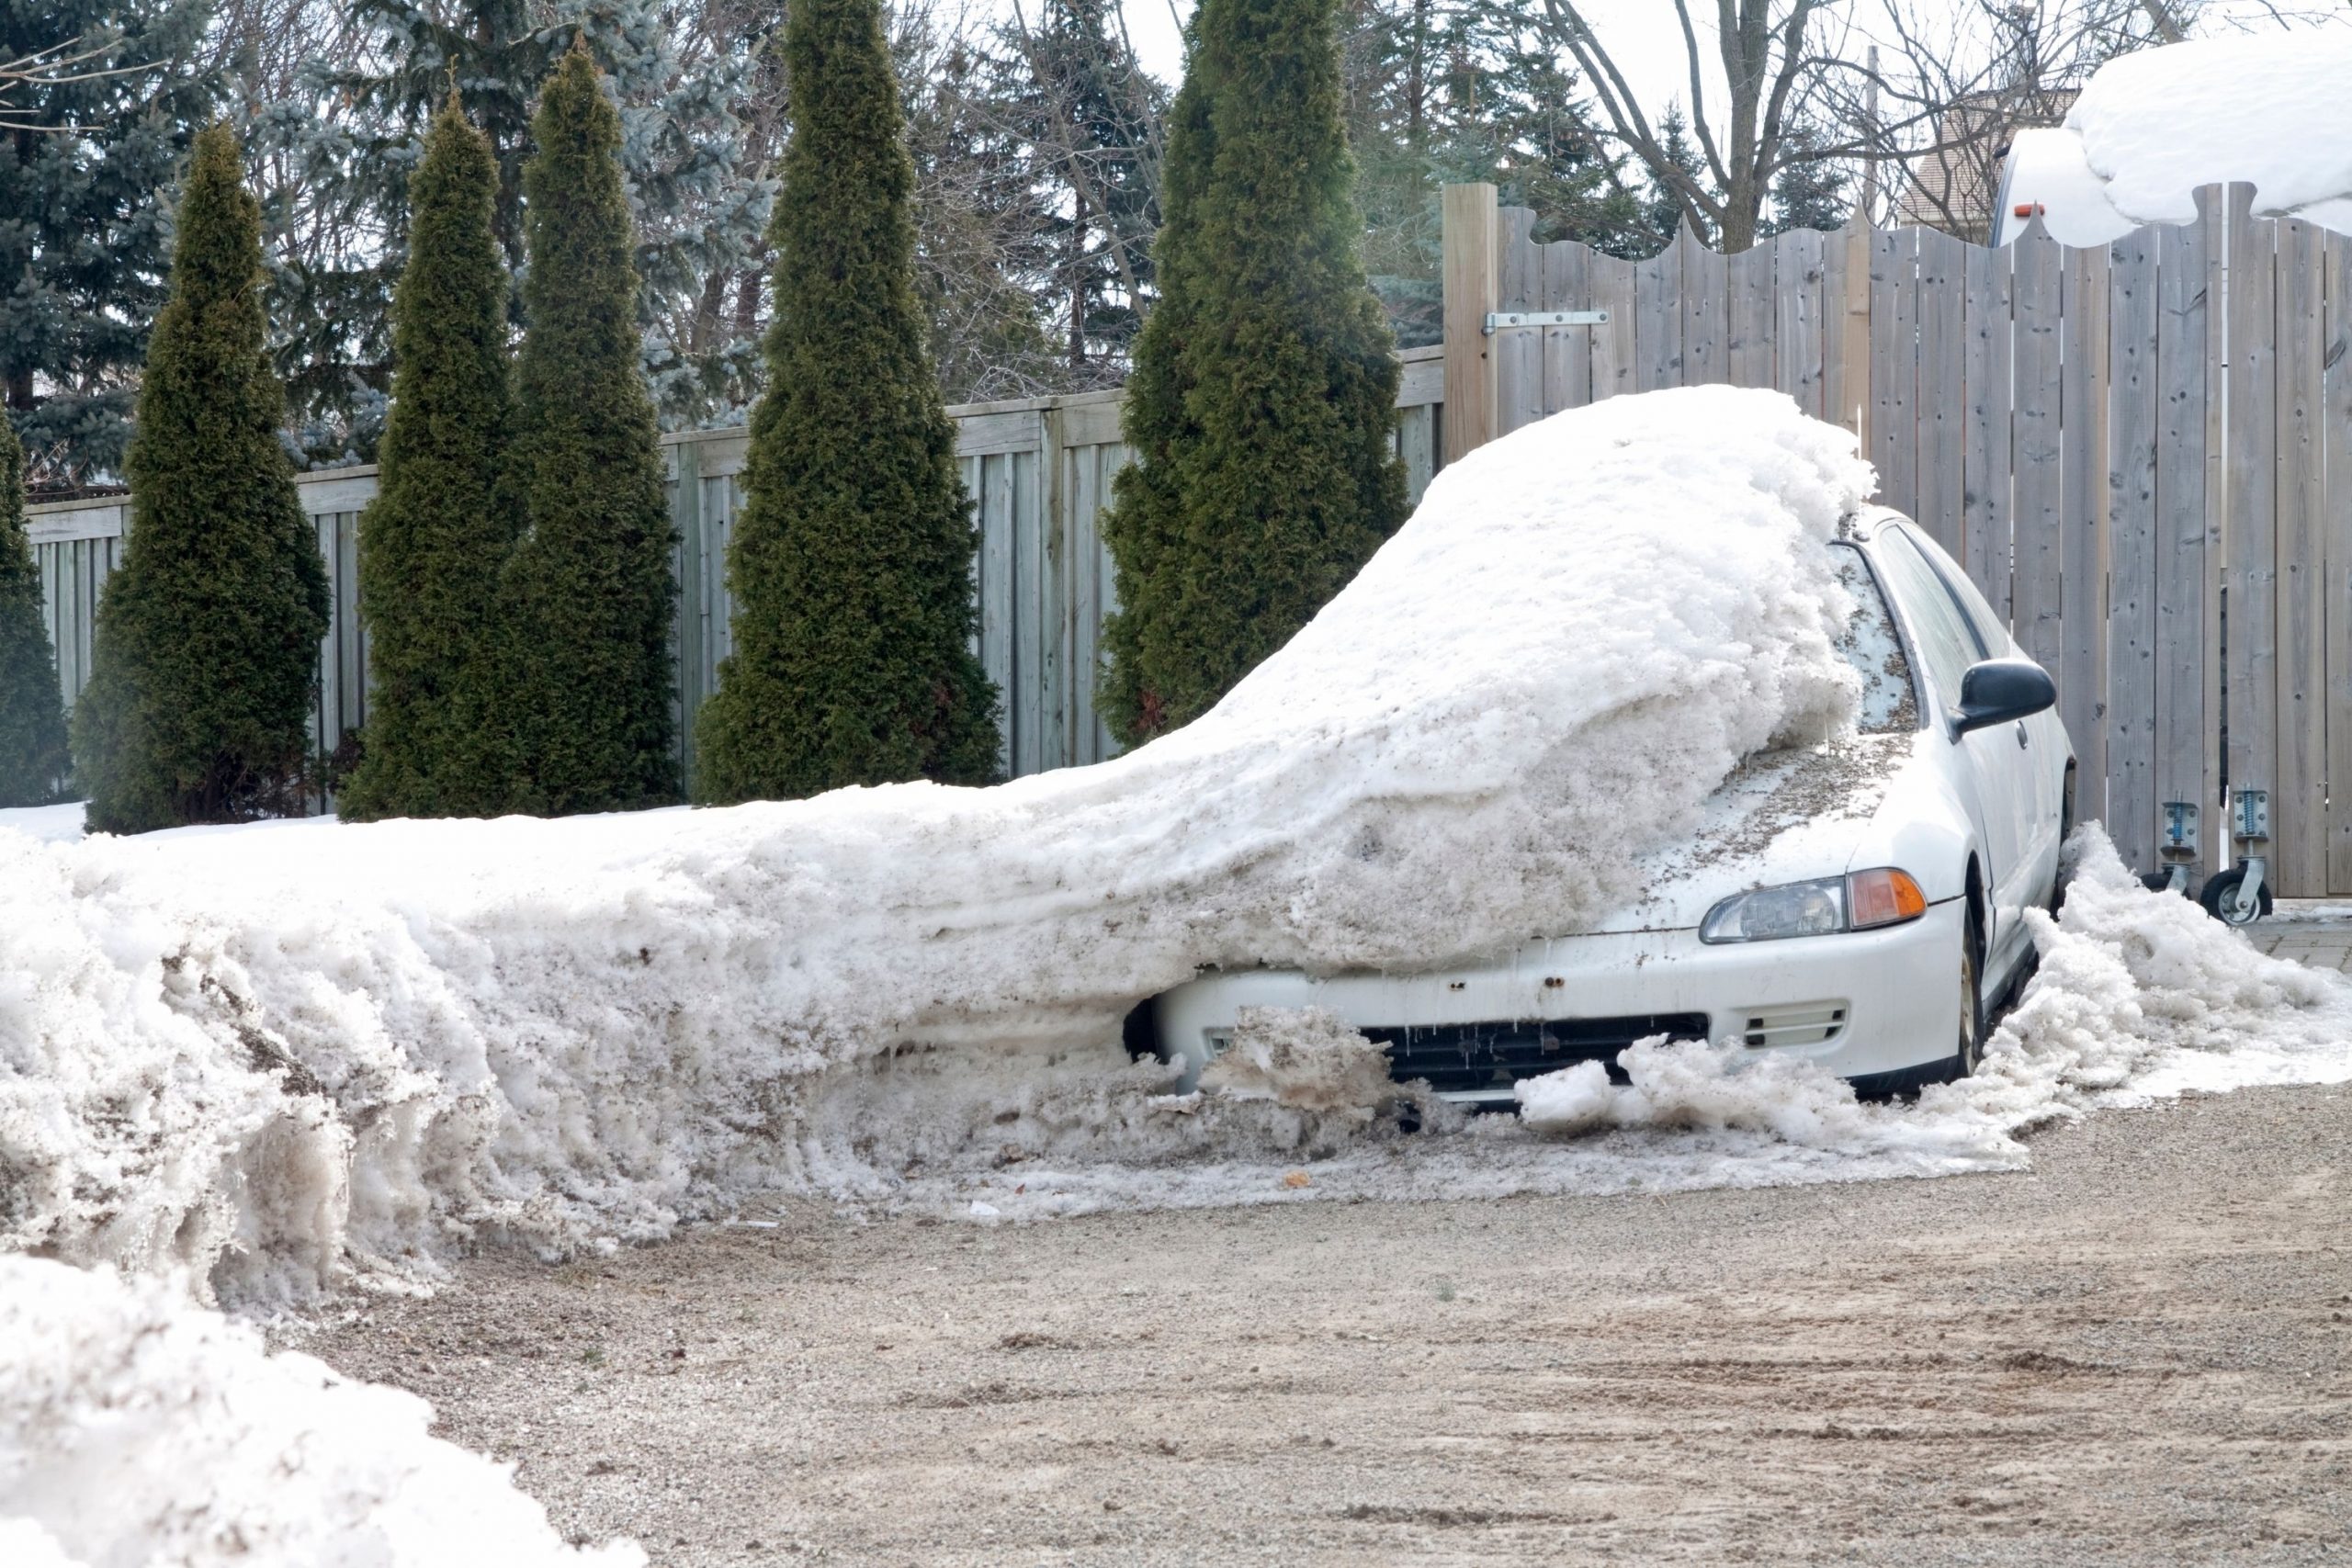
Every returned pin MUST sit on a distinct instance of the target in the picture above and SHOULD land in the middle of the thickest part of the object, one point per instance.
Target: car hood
(1785, 816)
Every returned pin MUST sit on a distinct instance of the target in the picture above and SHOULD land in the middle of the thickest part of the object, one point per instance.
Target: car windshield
(1871, 646)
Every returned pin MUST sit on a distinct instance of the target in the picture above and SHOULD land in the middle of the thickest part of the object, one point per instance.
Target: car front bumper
(1879, 1007)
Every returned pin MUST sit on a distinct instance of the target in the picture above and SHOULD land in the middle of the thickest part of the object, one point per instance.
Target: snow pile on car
(283, 1055)
(2269, 108)
(137, 1429)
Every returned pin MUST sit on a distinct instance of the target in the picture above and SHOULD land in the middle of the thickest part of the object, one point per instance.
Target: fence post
(685, 517)
(1473, 285)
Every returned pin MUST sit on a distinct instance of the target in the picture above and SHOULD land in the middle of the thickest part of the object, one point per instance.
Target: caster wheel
(2220, 898)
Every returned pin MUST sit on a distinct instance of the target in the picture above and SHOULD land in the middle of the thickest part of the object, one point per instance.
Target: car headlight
(1862, 901)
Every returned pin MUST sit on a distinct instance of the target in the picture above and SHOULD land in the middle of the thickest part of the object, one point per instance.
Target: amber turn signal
(1883, 897)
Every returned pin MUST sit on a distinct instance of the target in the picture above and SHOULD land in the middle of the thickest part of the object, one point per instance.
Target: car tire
(2219, 894)
(1971, 1054)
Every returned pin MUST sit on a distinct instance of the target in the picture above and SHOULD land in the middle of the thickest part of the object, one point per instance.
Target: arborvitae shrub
(591, 585)
(32, 717)
(434, 541)
(204, 668)
(850, 563)
(1264, 390)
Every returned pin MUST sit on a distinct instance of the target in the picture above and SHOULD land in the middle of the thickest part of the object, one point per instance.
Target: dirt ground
(2140, 1352)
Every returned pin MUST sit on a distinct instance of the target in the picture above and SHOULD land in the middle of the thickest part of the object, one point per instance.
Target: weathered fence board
(1567, 351)
(1796, 319)
(2133, 409)
(1940, 401)
(1749, 279)
(1519, 355)
(2250, 529)
(2299, 806)
(1657, 322)
(2184, 740)
(2055, 418)
(1894, 444)
(2038, 520)
(1613, 290)
(2082, 436)
(1705, 321)
(2335, 355)
(1986, 459)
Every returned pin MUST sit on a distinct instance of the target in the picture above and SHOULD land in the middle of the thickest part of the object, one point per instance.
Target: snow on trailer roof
(2271, 109)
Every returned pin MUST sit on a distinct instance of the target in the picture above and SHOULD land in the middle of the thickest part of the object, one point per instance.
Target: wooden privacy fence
(1039, 472)
(2118, 443)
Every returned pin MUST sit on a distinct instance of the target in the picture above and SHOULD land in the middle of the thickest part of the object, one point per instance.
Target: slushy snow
(2270, 108)
(288, 1057)
(136, 1430)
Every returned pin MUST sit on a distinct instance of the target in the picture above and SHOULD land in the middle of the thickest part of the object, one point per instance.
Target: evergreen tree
(1478, 93)
(86, 152)
(1810, 190)
(590, 583)
(698, 209)
(1667, 208)
(206, 656)
(434, 541)
(32, 719)
(1092, 115)
(850, 563)
(1263, 398)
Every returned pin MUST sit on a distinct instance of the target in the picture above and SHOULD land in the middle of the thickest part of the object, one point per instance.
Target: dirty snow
(137, 1429)
(293, 1057)
(2269, 108)
(2141, 998)
(287, 1057)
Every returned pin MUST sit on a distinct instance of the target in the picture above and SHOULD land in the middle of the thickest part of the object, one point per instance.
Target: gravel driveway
(2141, 1352)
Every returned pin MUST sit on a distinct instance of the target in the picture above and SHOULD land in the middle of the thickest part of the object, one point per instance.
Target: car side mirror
(1999, 690)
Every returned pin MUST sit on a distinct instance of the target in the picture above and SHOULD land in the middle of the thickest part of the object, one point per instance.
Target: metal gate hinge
(1508, 320)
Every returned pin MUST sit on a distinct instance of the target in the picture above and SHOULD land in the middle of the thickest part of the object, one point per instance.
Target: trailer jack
(2240, 894)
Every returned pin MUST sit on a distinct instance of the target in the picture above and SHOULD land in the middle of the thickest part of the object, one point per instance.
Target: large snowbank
(136, 1430)
(294, 1055)
(285, 1055)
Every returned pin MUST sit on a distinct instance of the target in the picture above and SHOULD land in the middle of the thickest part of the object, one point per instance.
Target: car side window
(1946, 643)
(1992, 634)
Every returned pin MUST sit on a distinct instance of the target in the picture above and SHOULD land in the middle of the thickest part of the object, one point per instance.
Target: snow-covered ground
(261, 1063)
(136, 1430)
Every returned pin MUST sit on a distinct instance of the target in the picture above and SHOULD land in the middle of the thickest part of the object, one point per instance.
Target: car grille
(1459, 1058)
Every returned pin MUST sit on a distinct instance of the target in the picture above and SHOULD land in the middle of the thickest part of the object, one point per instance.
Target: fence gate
(2117, 442)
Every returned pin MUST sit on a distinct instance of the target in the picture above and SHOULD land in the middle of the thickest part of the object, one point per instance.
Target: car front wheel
(1972, 999)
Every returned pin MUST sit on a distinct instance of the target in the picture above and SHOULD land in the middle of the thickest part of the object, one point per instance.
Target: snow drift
(135, 1430)
(285, 1055)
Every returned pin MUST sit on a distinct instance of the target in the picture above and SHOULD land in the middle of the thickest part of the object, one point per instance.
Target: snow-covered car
(1859, 901)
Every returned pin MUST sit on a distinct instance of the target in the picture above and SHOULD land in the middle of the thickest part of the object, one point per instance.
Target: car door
(1991, 764)
(2041, 794)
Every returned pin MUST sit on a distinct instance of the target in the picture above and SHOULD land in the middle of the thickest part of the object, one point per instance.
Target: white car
(1859, 902)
